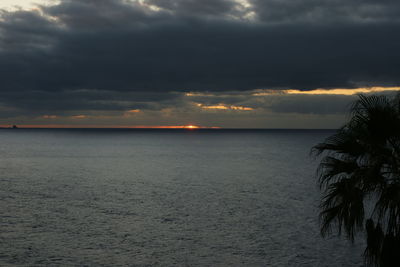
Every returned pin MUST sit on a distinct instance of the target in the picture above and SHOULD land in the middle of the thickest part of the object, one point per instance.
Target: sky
(211, 63)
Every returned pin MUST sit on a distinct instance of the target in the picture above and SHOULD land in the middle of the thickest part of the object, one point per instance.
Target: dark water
(183, 198)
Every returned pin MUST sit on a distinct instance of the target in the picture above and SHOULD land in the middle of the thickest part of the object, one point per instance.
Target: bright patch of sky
(24, 4)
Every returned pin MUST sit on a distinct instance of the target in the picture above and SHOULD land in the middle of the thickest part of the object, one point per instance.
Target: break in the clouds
(96, 60)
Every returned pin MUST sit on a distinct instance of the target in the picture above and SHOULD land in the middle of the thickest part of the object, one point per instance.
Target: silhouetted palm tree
(360, 178)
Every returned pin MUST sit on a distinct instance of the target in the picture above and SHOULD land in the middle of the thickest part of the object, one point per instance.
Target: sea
(133, 197)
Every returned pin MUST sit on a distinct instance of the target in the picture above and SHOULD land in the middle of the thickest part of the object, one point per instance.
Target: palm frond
(342, 206)
(343, 142)
(332, 168)
(362, 161)
(388, 208)
(375, 239)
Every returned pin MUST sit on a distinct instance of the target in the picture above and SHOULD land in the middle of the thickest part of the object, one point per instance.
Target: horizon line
(71, 126)
(166, 127)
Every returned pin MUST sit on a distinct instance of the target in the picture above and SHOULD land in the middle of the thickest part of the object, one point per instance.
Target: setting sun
(191, 127)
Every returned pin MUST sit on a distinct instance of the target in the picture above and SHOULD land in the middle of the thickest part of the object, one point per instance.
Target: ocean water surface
(163, 198)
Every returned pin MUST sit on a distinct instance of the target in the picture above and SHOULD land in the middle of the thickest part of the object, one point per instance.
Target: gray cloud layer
(116, 54)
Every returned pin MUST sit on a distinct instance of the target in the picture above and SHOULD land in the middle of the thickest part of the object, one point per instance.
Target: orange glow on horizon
(191, 127)
(65, 126)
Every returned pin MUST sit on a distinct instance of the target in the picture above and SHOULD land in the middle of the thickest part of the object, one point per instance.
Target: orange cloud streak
(134, 111)
(225, 107)
(49, 117)
(79, 117)
(337, 91)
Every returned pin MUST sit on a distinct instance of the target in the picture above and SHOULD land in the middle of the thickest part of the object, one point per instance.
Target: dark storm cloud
(130, 49)
(336, 11)
(68, 101)
(311, 104)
